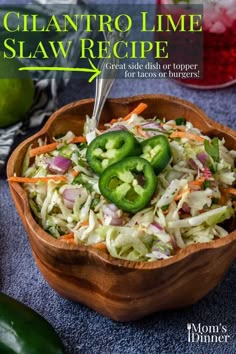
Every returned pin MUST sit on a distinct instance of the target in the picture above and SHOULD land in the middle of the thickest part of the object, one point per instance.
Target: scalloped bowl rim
(50, 241)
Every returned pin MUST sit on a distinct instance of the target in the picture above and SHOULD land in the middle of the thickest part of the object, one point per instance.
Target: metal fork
(105, 80)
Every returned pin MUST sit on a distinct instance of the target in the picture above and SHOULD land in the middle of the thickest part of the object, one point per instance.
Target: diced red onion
(152, 125)
(157, 226)
(116, 128)
(116, 222)
(113, 221)
(193, 164)
(186, 208)
(112, 207)
(202, 157)
(151, 133)
(70, 195)
(59, 164)
(69, 204)
(109, 211)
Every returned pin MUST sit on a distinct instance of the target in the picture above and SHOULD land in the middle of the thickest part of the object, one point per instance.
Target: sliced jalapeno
(157, 151)
(109, 148)
(129, 183)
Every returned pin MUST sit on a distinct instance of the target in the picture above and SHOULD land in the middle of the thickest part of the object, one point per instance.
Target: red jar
(219, 43)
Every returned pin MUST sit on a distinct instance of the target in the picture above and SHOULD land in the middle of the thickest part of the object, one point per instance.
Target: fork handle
(103, 86)
(107, 77)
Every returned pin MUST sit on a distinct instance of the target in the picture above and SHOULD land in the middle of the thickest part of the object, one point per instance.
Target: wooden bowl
(119, 289)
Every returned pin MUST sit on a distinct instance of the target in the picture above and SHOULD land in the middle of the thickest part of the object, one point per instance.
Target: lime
(16, 91)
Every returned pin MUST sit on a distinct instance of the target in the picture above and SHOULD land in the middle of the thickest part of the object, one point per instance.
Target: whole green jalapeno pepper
(24, 331)
(109, 148)
(157, 151)
(129, 183)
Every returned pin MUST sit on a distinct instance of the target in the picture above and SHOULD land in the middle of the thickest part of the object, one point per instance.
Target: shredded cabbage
(189, 205)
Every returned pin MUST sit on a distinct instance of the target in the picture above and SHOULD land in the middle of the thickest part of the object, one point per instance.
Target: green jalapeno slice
(109, 148)
(157, 151)
(129, 184)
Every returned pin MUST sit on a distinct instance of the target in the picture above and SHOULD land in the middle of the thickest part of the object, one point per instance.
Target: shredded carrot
(50, 147)
(186, 135)
(166, 211)
(75, 173)
(84, 223)
(229, 190)
(180, 195)
(201, 211)
(36, 179)
(113, 121)
(197, 182)
(100, 246)
(79, 139)
(43, 149)
(140, 131)
(67, 237)
(225, 195)
(138, 110)
(223, 199)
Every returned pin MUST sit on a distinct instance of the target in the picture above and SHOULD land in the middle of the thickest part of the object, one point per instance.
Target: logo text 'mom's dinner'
(198, 333)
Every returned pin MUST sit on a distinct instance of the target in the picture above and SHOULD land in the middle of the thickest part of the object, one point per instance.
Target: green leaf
(180, 121)
(206, 184)
(83, 180)
(165, 207)
(212, 148)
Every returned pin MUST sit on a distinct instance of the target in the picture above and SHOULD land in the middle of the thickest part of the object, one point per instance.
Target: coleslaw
(194, 193)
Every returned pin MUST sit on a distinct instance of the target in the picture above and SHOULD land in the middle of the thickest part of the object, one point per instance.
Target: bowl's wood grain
(116, 288)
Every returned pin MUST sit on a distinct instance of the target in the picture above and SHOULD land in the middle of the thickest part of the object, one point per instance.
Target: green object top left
(16, 91)
(24, 331)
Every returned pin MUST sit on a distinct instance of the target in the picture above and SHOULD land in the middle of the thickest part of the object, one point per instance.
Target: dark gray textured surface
(86, 332)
